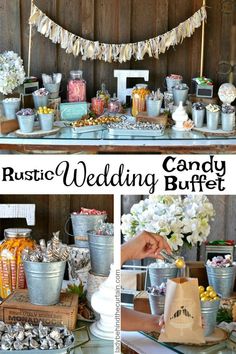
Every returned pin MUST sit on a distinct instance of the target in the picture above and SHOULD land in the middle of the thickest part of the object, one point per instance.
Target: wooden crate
(143, 117)
(8, 126)
(141, 302)
(17, 308)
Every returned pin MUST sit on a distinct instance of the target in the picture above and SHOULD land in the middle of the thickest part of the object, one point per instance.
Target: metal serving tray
(65, 350)
(88, 129)
(135, 132)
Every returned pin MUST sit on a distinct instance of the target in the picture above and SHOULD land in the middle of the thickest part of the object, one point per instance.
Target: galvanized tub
(209, 311)
(222, 280)
(180, 95)
(213, 119)
(81, 224)
(44, 281)
(160, 275)
(228, 121)
(198, 116)
(101, 253)
(157, 304)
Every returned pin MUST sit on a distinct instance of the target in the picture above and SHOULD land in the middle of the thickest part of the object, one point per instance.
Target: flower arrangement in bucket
(12, 72)
(180, 220)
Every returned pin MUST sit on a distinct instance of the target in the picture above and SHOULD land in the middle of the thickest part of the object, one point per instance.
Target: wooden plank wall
(222, 228)
(119, 21)
(52, 212)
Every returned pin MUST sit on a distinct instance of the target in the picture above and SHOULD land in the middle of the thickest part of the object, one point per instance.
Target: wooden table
(100, 143)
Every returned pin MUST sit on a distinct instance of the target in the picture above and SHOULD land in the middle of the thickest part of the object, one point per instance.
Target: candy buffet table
(101, 142)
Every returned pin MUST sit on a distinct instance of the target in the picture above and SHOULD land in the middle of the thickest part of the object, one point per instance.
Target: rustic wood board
(7, 126)
(37, 133)
(218, 336)
(219, 132)
(143, 117)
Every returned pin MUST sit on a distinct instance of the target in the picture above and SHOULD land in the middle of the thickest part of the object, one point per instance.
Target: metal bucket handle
(146, 279)
(69, 350)
(65, 226)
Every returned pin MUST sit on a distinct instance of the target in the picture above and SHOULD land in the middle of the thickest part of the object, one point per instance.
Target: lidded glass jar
(12, 274)
(104, 94)
(114, 105)
(139, 95)
(76, 87)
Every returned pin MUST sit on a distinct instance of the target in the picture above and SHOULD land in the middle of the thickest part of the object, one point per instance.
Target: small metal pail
(101, 253)
(81, 224)
(209, 311)
(157, 304)
(222, 280)
(160, 275)
(44, 281)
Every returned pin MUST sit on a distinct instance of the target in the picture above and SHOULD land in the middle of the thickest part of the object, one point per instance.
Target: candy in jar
(76, 88)
(98, 105)
(139, 95)
(11, 266)
(104, 94)
(114, 105)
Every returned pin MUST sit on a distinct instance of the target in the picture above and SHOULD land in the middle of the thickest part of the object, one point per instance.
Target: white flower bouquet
(179, 219)
(12, 73)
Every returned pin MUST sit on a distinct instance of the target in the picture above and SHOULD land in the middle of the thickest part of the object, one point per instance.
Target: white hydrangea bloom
(12, 72)
(179, 219)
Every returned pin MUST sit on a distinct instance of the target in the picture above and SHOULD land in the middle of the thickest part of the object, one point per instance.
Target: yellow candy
(180, 263)
(212, 294)
(201, 289)
(210, 288)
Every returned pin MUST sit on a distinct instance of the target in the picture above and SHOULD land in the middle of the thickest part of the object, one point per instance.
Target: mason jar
(76, 87)
(12, 274)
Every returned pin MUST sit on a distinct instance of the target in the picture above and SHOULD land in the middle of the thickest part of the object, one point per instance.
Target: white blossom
(12, 72)
(179, 219)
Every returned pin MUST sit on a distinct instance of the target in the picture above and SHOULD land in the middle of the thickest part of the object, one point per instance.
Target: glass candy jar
(104, 94)
(11, 266)
(76, 87)
(114, 105)
(139, 95)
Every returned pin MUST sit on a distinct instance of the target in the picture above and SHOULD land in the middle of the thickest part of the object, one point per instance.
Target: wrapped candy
(55, 251)
(220, 262)
(25, 112)
(103, 228)
(227, 108)
(86, 211)
(213, 108)
(41, 92)
(158, 290)
(198, 106)
(18, 337)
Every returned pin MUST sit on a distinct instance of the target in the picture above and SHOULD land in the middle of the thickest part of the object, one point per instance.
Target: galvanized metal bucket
(160, 275)
(157, 304)
(222, 280)
(213, 119)
(180, 95)
(26, 123)
(228, 121)
(10, 108)
(101, 253)
(81, 224)
(198, 116)
(153, 107)
(170, 83)
(44, 281)
(209, 311)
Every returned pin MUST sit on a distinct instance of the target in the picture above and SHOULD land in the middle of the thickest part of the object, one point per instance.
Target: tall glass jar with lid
(139, 95)
(11, 266)
(76, 87)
